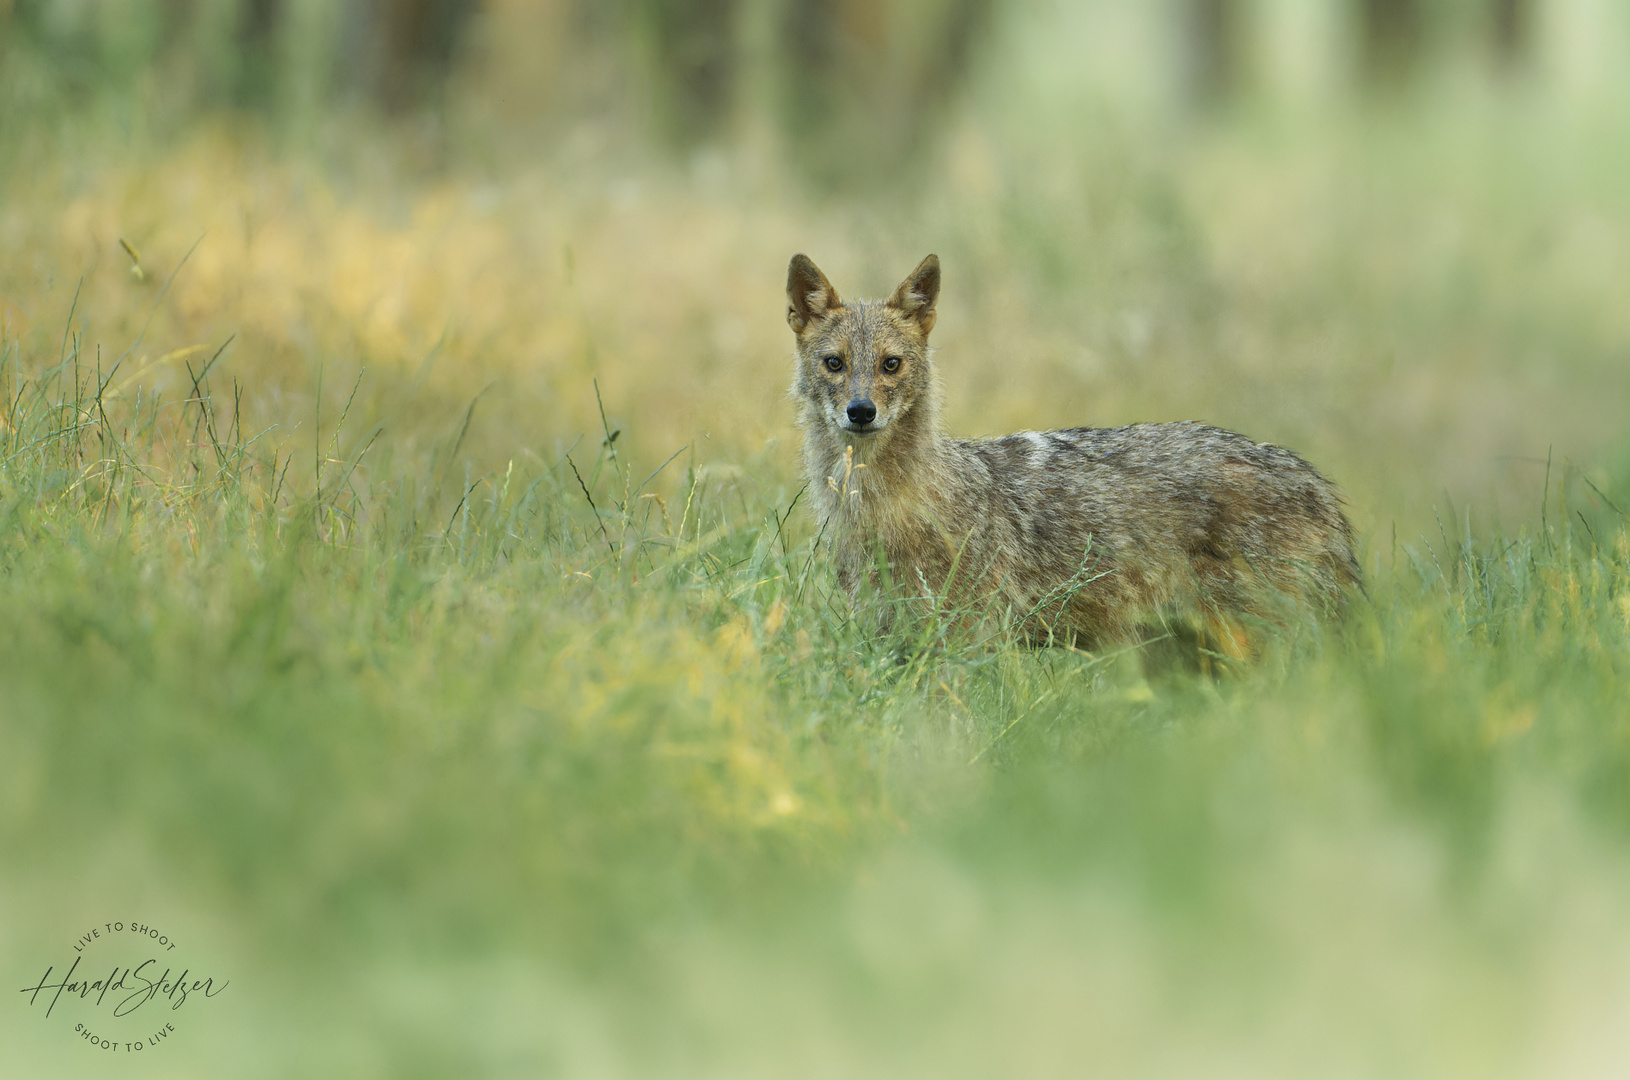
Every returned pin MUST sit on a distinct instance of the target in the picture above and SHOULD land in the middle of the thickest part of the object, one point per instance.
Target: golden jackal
(1082, 536)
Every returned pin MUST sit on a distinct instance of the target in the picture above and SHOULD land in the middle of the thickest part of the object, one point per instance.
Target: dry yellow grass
(1306, 296)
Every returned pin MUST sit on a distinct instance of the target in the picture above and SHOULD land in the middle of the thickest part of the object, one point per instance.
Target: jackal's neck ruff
(1088, 534)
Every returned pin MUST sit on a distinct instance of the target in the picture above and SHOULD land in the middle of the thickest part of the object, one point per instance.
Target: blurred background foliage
(696, 71)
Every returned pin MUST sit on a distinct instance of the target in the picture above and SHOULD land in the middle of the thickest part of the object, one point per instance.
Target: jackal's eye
(833, 363)
(891, 364)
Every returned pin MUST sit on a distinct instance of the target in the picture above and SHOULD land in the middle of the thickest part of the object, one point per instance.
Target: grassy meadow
(406, 599)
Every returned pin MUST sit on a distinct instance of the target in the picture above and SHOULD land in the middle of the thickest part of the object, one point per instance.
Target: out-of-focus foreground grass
(470, 730)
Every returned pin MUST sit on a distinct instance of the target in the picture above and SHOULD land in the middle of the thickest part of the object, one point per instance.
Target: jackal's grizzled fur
(1087, 536)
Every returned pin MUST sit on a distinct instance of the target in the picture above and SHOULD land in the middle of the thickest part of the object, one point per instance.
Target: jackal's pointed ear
(809, 295)
(916, 295)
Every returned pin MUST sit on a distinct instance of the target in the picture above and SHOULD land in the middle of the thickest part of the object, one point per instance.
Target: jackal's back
(1089, 531)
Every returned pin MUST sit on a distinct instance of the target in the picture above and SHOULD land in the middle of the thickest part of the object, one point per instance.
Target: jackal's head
(862, 366)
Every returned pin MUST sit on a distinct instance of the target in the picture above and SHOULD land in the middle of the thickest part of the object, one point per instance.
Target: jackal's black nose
(862, 412)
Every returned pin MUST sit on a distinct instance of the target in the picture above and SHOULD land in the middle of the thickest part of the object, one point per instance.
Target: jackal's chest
(901, 541)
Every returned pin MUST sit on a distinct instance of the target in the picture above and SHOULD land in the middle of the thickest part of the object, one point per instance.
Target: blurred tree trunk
(1391, 39)
(400, 52)
(865, 81)
(259, 30)
(965, 23)
(693, 52)
(21, 17)
(175, 18)
(1212, 29)
(1512, 25)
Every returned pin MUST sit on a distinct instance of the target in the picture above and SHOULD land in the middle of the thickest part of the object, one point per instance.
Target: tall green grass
(584, 767)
